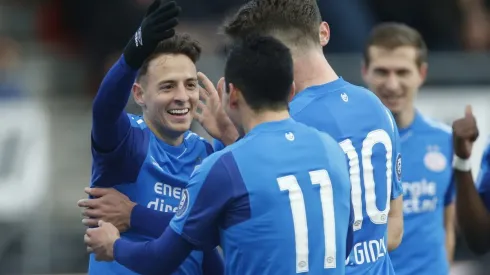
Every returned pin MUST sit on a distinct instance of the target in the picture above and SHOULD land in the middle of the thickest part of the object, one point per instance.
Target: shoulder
(436, 126)
(194, 140)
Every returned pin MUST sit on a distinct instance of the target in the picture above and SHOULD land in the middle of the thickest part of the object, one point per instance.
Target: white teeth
(179, 111)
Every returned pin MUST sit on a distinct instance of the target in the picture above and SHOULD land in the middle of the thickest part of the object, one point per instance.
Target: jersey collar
(417, 121)
(323, 88)
(272, 126)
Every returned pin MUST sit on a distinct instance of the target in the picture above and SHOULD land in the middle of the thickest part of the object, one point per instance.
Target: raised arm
(110, 122)
(472, 213)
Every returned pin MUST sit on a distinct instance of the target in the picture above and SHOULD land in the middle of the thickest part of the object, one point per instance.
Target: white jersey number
(375, 215)
(290, 184)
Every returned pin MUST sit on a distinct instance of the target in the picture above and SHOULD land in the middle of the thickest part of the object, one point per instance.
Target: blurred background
(53, 54)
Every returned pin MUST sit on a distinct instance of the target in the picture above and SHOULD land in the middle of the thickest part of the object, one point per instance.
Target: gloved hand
(158, 24)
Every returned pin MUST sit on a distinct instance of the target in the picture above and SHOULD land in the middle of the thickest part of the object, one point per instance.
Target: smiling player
(394, 68)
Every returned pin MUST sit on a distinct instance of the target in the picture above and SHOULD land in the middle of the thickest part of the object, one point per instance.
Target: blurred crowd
(97, 30)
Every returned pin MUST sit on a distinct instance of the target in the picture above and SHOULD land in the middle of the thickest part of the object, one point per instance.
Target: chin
(180, 128)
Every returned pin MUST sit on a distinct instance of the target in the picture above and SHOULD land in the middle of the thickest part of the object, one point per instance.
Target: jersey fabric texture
(428, 188)
(278, 202)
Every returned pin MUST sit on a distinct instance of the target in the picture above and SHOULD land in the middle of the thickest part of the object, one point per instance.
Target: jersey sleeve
(121, 165)
(110, 123)
(396, 188)
(483, 180)
(218, 145)
(201, 210)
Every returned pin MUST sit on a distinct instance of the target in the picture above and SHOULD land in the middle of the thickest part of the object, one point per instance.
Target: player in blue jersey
(278, 200)
(354, 116)
(149, 158)
(473, 207)
(394, 68)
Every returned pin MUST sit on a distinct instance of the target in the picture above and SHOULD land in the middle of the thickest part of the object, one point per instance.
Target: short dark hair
(180, 43)
(293, 22)
(262, 69)
(393, 35)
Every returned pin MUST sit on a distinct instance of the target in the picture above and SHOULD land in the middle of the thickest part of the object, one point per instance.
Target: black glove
(158, 24)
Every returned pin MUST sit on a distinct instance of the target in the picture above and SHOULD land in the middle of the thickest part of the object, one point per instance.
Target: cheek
(193, 96)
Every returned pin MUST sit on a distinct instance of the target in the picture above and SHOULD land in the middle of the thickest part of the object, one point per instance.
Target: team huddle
(305, 171)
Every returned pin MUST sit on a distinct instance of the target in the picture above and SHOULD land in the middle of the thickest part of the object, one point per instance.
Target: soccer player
(354, 116)
(473, 207)
(278, 200)
(394, 68)
(149, 158)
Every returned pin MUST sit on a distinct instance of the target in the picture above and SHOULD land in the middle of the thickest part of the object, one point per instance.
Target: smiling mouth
(179, 112)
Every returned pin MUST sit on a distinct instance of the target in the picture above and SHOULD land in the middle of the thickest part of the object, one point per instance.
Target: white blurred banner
(24, 158)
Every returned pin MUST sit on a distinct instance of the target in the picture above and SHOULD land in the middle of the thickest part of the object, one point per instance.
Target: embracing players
(394, 68)
(278, 200)
(149, 158)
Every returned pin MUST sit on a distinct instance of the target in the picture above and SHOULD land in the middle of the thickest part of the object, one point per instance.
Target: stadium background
(53, 53)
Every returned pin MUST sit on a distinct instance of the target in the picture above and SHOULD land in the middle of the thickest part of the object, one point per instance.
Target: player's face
(171, 93)
(394, 76)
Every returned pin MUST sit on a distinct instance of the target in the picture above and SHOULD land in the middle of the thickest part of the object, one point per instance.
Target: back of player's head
(293, 22)
(180, 43)
(394, 35)
(261, 68)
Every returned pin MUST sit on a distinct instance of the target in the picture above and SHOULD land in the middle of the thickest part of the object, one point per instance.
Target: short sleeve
(396, 188)
(218, 145)
(203, 202)
(483, 179)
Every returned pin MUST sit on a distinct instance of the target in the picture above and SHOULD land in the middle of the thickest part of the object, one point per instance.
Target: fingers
(203, 94)
(90, 203)
(101, 223)
(221, 87)
(208, 85)
(97, 192)
(153, 7)
(88, 222)
(86, 239)
(200, 112)
(468, 112)
(92, 213)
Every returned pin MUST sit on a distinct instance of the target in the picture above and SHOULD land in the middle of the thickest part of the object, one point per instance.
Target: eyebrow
(173, 81)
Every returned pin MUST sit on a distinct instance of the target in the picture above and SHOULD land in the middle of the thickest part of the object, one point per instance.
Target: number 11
(290, 184)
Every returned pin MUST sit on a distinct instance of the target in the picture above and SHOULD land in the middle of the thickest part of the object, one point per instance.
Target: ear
(324, 32)
(234, 97)
(424, 68)
(292, 93)
(138, 95)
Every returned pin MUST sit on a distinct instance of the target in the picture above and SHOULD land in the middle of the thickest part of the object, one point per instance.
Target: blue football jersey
(483, 180)
(278, 202)
(368, 135)
(428, 188)
(153, 174)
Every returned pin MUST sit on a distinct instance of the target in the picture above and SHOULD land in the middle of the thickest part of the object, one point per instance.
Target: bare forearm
(473, 217)
(450, 243)
(395, 233)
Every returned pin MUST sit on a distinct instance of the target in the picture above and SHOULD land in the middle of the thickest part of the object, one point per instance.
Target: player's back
(298, 202)
(369, 138)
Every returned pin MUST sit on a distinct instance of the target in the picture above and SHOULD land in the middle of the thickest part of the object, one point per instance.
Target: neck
(404, 118)
(173, 140)
(254, 119)
(311, 68)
